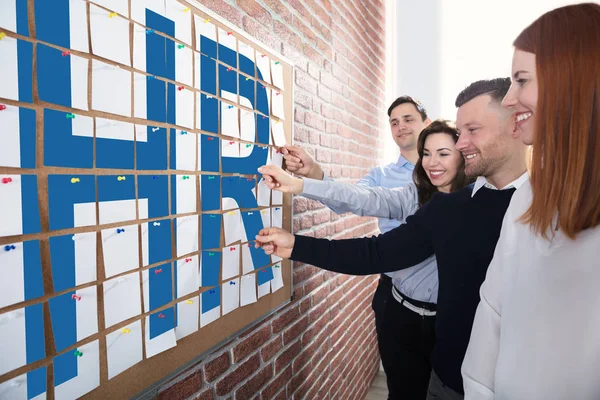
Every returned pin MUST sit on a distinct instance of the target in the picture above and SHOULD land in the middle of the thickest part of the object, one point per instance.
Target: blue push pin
(154, 176)
(151, 77)
(149, 31)
(183, 132)
(232, 283)
(212, 291)
(9, 247)
(120, 230)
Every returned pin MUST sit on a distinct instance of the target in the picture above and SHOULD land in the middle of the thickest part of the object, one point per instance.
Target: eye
(409, 120)
(521, 81)
(425, 154)
(444, 154)
(472, 130)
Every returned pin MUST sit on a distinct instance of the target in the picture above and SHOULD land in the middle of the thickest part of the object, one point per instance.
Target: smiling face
(441, 160)
(523, 94)
(406, 124)
(484, 139)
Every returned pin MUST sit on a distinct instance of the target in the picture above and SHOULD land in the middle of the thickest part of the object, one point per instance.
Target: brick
(285, 319)
(259, 32)
(295, 330)
(321, 232)
(321, 217)
(319, 295)
(205, 395)
(251, 344)
(216, 367)
(270, 349)
(279, 7)
(255, 10)
(313, 283)
(254, 384)
(242, 372)
(289, 37)
(184, 388)
(300, 204)
(305, 31)
(230, 13)
(287, 356)
(305, 222)
(274, 386)
(315, 329)
(303, 99)
(312, 54)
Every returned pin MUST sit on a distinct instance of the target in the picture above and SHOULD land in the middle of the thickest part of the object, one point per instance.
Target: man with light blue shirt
(405, 301)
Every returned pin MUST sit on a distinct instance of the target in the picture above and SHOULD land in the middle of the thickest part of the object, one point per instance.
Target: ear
(427, 122)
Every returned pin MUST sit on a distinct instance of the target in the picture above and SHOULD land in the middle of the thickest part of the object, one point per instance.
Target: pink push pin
(6, 180)
(158, 271)
(187, 260)
(2, 107)
(180, 88)
(75, 297)
(65, 53)
(161, 315)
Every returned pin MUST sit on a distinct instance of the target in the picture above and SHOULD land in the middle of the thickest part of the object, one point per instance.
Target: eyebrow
(443, 148)
(520, 72)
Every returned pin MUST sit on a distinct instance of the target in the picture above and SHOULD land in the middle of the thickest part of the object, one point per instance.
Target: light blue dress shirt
(419, 282)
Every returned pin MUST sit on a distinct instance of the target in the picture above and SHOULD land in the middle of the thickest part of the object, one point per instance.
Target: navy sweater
(461, 231)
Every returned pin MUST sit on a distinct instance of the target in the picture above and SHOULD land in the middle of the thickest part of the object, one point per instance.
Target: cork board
(100, 102)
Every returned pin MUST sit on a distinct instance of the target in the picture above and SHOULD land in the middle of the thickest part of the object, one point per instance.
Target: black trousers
(406, 340)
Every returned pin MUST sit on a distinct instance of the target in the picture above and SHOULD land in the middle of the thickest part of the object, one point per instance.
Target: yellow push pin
(121, 178)
(189, 301)
(2, 35)
(186, 9)
(74, 180)
(126, 330)
(113, 14)
(206, 21)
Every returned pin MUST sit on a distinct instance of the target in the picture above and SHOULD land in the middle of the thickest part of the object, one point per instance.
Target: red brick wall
(323, 344)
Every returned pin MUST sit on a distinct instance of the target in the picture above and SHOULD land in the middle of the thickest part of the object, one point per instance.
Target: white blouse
(536, 333)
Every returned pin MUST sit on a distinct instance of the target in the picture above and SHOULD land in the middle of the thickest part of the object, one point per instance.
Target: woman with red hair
(536, 334)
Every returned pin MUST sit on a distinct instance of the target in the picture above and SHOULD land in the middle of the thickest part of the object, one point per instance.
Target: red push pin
(161, 315)
(65, 53)
(232, 249)
(229, 69)
(229, 33)
(188, 260)
(263, 55)
(157, 271)
(231, 142)
(180, 88)
(277, 94)
(6, 180)
(210, 138)
(75, 297)
(2, 107)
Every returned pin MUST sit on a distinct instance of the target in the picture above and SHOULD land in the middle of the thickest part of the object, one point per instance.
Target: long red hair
(565, 165)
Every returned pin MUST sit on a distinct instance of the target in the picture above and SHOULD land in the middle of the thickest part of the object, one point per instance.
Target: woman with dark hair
(440, 168)
(536, 333)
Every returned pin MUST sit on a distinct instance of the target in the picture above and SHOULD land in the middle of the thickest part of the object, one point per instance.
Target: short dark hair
(496, 88)
(426, 189)
(407, 99)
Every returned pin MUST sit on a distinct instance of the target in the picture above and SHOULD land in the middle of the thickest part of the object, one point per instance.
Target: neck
(507, 174)
(411, 155)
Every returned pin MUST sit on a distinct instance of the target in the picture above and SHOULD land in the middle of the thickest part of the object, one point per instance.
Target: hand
(278, 179)
(275, 241)
(299, 162)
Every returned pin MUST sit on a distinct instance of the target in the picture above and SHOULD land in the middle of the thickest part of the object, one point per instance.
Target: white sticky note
(277, 281)
(277, 217)
(10, 151)
(184, 112)
(12, 284)
(160, 343)
(139, 47)
(230, 148)
(248, 127)
(85, 257)
(121, 298)
(230, 124)
(139, 96)
(8, 17)
(229, 203)
(111, 89)
(204, 28)
(124, 348)
(232, 226)
(87, 312)
(88, 374)
(188, 313)
(11, 211)
(184, 65)
(116, 211)
(120, 247)
(188, 276)
(277, 74)
(9, 76)
(85, 214)
(276, 157)
(277, 105)
(226, 39)
(12, 345)
(264, 194)
(265, 215)
(186, 232)
(182, 20)
(231, 262)
(264, 67)
(278, 134)
(247, 263)
(110, 35)
(264, 289)
(79, 82)
(78, 28)
(117, 6)
(248, 290)
(83, 126)
(185, 192)
(230, 295)
(116, 130)
(247, 51)
(16, 389)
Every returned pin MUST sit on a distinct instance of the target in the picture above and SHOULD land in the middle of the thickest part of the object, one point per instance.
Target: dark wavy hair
(425, 188)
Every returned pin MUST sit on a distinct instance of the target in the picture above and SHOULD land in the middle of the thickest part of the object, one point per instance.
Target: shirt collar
(402, 162)
(482, 181)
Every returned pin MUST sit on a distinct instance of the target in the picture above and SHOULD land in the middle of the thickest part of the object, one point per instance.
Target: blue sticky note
(210, 151)
(211, 231)
(228, 79)
(211, 299)
(116, 187)
(152, 154)
(160, 286)
(210, 192)
(155, 188)
(63, 313)
(208, 73)
(64, 193)
(252, 225)
(111, 153)
(53, 76)
(159, 241)
(264, 276)
(62, 146)
(211, 267)
(62, 258)
(162, 322)
(227, 56)
(247, 65)
(209, 109)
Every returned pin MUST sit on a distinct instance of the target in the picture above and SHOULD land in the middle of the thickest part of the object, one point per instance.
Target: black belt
(420, 304)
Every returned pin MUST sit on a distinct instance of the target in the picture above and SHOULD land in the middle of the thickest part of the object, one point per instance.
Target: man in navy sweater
(460, 228)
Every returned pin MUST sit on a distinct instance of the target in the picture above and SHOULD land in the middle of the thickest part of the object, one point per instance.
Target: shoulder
(460, 196)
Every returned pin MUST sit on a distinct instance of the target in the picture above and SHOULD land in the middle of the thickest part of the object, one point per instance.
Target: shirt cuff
(313, 187)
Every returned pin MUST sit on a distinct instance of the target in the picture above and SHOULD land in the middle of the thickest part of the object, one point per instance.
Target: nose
(510, 100)
(462, 143)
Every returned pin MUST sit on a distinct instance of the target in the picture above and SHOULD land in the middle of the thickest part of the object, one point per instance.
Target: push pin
(230, 107)
(156, 224)
(158, 271)
(161, 315)
(154, 176)
(210, 178)
(248, 145)
(210, 138)
(263, 55)
(211, 254)
(231, 142)
(180, 46)
(74, 180)
(183, 132)
(187, 260)
(6, 180)
(232, 249)
(9, 247)
(277, 208)
(248, 78)
(189, 302)
(186, 9)
(77, 353)
(2, 35)
(277, 266)
(121, 178)
(185, 177)
(180, 88)
(277, 94)
(213, 216)
(120, 230)
(75, 297)
(149, 31)
(211, 291)
(70, 116)
(65, 53)
(150, 77)
(155, 129)
(276, 62)
(112, 15)
(126, 330)
(250, 213)
(229, 69)
(232, 283)
(206, 21)
(2, 107)
(229, 33)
